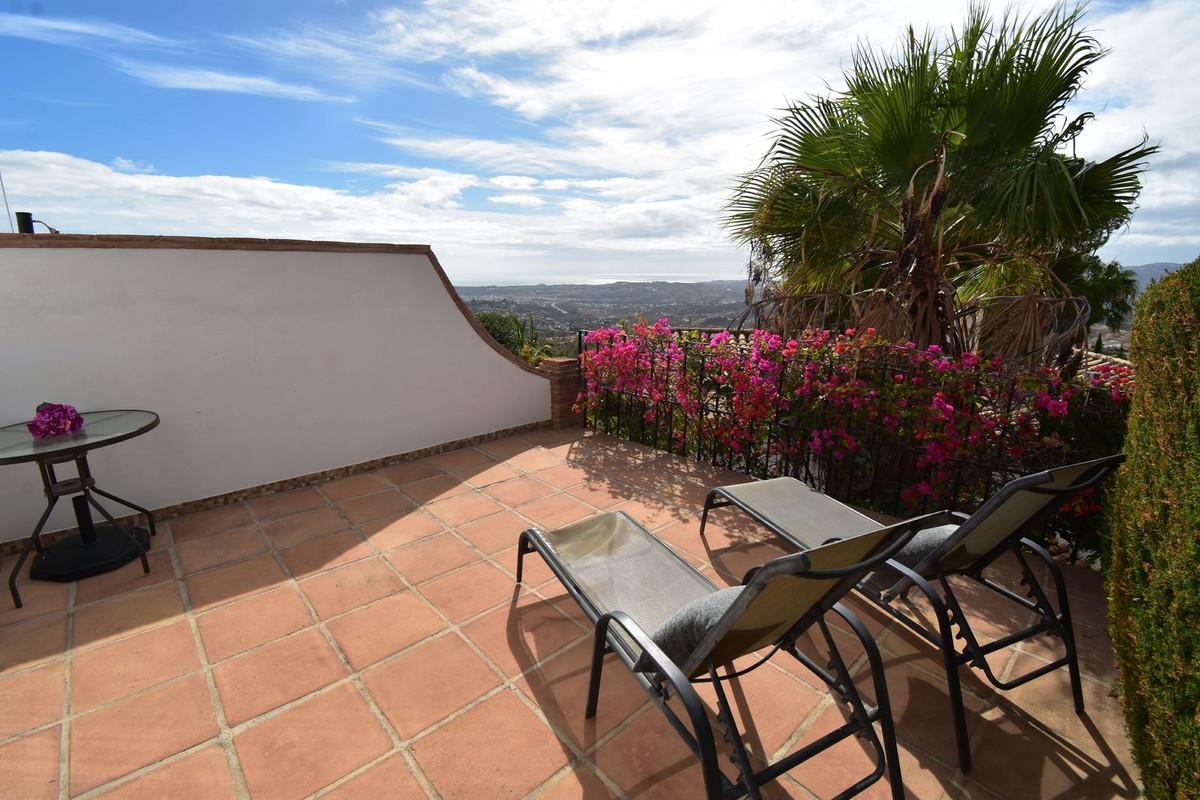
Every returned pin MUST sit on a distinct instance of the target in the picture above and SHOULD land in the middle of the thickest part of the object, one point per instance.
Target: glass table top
(99, 428)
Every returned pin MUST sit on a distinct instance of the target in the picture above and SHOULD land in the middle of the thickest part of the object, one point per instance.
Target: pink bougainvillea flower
(763, 401)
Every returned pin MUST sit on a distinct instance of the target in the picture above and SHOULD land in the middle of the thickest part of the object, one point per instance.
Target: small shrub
(504, 328)
(1153, 570)
(519, 337)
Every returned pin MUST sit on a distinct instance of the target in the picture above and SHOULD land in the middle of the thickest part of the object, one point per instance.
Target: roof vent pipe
(25, 223)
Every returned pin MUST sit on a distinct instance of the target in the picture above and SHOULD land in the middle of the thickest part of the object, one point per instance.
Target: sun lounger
(967, 546)
(671, 626)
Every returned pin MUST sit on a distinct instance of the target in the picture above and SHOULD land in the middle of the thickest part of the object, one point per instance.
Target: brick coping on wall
(119, 241)
(228, 498)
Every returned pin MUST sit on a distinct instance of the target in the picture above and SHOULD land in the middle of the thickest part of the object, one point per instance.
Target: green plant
(941, 179)
(1153, 572)
(519, 337)
(504, 328)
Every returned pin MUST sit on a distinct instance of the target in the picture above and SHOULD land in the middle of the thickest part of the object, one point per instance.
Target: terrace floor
(364, 639)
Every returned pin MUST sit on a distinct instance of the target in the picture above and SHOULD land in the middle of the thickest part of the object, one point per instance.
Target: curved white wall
(263, 365)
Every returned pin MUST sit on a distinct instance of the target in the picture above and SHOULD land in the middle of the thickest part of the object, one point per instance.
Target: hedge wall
(1154, 512)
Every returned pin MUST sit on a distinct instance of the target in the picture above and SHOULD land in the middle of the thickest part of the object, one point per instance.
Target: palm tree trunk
(926, 297)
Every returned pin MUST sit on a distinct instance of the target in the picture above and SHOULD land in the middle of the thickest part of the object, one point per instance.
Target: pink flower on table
(54, 419)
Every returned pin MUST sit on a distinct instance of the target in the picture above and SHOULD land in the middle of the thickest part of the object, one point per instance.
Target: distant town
(557, 311)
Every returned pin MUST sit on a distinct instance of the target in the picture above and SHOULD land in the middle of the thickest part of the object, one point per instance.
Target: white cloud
(1150, 82)
(434, 191)
(169, 76)
(357, 59)
(486, 28)
(422, 186)
(475, 246)
(523, 200)
(121, 164)
(522, 182)
(74, 32)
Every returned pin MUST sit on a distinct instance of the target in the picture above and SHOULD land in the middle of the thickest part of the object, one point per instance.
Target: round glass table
(94, 549)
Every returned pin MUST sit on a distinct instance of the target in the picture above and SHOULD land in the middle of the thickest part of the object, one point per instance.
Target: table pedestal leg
(92, 551)
(83, 518)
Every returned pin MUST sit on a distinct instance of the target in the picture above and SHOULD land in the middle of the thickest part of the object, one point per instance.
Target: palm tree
(943, 175)
(1109, 288)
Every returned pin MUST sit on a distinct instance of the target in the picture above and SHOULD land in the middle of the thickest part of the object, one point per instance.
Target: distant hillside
(1149, 272)
(558, 310)
(620, 292)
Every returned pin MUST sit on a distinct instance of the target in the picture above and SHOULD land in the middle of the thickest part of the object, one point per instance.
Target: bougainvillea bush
(883, 424)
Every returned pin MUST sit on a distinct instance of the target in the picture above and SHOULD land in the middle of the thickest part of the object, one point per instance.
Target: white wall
(263, 365)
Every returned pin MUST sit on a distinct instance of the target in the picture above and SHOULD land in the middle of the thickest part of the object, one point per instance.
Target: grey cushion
(924, 544)
(683, 631)
(920, 547)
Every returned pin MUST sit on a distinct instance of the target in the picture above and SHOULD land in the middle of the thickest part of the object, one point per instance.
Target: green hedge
(1154, 568)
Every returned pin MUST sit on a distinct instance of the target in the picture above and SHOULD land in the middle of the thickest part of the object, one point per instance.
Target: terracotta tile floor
(365, 639)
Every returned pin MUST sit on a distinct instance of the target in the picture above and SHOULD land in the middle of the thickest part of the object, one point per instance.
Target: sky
(525, 140)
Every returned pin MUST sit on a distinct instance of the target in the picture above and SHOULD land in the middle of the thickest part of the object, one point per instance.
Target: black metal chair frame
(949, 613)
(667, 677)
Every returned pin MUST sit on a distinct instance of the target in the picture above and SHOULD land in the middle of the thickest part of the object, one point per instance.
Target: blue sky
(526, 140)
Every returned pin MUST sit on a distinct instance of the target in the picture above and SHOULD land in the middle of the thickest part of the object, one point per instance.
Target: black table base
(73, 558)
(92, 551)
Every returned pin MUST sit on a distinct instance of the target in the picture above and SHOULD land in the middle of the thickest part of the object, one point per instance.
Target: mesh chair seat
(786, 504)
(617, 565)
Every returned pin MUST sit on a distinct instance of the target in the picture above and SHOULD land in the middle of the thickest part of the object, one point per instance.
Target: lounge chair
(671, 626)
(966, 547)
